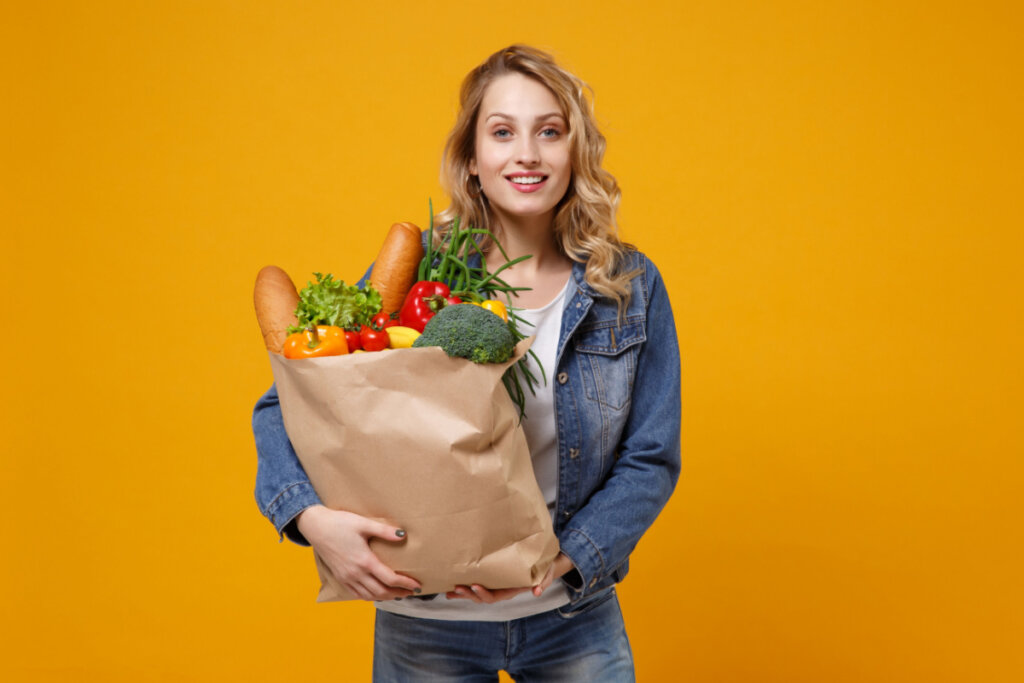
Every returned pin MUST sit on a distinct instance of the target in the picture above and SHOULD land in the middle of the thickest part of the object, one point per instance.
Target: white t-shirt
(542, 438)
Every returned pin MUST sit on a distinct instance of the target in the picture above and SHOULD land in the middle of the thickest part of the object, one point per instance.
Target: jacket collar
(579, 270)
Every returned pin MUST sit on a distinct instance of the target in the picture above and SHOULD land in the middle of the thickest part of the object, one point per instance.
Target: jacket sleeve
(600, 535)
(282, 488)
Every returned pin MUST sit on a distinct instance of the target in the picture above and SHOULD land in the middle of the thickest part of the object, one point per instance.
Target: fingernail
(417, 591)
(400, 533)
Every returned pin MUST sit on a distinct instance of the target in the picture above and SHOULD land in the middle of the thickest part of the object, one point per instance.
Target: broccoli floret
(469, 331)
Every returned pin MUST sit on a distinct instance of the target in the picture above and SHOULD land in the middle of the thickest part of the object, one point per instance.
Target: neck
(534, 236)
(539, 278)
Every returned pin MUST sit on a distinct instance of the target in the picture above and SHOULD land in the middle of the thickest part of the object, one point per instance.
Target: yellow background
(831, 190)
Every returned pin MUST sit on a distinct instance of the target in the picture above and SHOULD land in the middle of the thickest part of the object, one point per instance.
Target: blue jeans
(583, 642)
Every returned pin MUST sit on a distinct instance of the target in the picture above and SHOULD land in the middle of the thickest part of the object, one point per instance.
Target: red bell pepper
(424, 300)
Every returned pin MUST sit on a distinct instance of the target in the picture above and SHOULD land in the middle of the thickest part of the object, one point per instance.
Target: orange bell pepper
(314, 342)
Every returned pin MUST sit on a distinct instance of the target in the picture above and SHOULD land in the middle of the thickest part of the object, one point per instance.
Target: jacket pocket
(607, 356)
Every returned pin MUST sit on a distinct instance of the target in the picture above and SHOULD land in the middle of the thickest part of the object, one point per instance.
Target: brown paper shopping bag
(431, 444)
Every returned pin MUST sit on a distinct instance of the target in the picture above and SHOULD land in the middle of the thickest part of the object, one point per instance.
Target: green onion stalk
(448, 262)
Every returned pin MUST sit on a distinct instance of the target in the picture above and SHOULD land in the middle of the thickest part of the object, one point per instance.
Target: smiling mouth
(527, 179)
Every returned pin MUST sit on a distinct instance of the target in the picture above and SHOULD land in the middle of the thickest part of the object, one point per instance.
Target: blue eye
(550, 132)
(502, 133)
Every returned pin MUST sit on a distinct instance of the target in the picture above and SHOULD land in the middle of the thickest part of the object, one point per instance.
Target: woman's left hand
(478, 593)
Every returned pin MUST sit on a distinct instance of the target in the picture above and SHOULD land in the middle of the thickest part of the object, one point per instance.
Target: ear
(472, 167)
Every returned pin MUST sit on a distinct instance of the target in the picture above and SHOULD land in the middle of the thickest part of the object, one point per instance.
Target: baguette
(395, 269)
(275, 299)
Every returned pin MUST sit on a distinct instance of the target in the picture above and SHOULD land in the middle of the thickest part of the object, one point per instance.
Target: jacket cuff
(585, 557)
(288, 504)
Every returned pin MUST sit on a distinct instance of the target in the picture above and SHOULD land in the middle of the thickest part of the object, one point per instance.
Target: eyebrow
(542, 117)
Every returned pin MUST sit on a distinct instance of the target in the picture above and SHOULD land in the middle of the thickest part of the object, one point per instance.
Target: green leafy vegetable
(332, 302)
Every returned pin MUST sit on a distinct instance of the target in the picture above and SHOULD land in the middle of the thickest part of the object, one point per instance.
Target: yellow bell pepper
(495, 307)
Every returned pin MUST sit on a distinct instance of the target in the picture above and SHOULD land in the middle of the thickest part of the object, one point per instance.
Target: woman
(524, 160)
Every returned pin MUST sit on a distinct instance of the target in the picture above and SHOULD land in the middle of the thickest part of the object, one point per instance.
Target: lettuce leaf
(332, 302)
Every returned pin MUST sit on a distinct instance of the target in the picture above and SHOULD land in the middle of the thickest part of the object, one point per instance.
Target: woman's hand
(342, 540)
(478, 593)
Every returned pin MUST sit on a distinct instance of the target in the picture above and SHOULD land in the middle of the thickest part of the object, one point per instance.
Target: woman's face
(522, 149)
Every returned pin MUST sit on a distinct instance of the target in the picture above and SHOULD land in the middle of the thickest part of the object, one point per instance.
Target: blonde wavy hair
(584, 223)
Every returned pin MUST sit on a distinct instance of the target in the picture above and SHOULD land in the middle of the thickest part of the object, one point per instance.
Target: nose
(527, 151)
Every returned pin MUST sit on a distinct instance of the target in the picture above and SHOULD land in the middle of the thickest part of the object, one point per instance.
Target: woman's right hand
(342, 541)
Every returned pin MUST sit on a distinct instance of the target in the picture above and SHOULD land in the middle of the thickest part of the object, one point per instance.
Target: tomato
(383, 321)
(354, 341)
(374, 339)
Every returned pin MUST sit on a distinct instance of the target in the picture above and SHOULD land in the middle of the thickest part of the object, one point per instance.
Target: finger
(378, 591)
(389, 577)
(393, 594)
(388, 592)
(369, 564)
(482, 593)
(548, 579)
(358, 591)
(492, 596)
(463, 592)
(374, 529)
(369, 571)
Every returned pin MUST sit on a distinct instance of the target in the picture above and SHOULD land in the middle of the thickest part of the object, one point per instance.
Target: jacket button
(567, 514)
(563, 377)
(574, 453)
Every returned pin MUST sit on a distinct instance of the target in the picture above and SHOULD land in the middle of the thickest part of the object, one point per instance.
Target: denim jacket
(617, 414)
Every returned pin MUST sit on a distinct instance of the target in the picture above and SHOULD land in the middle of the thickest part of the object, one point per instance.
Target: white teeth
(527, 180)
